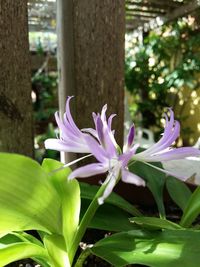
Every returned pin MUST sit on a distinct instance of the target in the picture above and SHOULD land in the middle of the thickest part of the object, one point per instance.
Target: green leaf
(16, 237)
(168, 248)
(108, 217)
(89, 191)
(155, 223)
(192, 209)
(22, 250)
(178, 191)
(155, 181)
(55, 245)
(69, 192)
(27, 198)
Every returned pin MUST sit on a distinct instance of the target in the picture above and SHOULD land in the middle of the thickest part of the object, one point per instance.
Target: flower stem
(83, 256)
(85, 221)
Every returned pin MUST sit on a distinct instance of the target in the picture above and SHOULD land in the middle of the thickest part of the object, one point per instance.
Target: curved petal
(130, 139)
(110, 121)
(59, 145)
(177, 153)
(96, 149)
(171, 132)
(131, 135)
(88, 170)
(125, 157)
(108, 190)
(66, 130)
(69, 116)
(132, 178)
(103, 113)
(105, 138)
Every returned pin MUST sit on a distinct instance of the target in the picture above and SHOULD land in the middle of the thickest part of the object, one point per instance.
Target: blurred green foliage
(45, 103)
(158, 67)
(45, 89)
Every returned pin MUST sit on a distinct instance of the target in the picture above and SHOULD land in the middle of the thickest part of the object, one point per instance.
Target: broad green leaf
(155, 181)
(55, 245)
(192, 209)
(89, 191)
(69, 192)
(25, 237)
(27, 198)
(22, 250)
(178, 191)
(155, 223)
(16, 237)
(108, 217)
(167, 248)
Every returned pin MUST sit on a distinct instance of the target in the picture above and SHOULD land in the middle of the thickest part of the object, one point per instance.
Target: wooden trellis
(146, 14)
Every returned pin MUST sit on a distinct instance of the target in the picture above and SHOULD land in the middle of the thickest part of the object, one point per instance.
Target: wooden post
(99, 32)
(16, 129)
(91, 58)
(65, 55)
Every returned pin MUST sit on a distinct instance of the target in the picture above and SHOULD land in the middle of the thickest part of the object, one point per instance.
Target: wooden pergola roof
(145, 14)
(149, 14)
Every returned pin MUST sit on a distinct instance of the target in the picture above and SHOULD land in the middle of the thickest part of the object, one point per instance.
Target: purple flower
(100, 142)
(111, 160)
(107, 152)
(71, 138)
(163, 150)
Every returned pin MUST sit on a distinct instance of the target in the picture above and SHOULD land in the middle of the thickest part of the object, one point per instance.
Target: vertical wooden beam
(91, 58)
(65, 55)
(99, 31)
(16, 130)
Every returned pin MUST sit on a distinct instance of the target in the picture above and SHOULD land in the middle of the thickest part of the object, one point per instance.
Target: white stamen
(70, 163)
(183, 178)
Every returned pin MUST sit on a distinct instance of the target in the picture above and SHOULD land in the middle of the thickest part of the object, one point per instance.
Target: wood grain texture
(99, 30)
(16, 134)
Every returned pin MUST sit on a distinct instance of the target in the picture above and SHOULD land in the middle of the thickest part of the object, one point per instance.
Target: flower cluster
(101, 143)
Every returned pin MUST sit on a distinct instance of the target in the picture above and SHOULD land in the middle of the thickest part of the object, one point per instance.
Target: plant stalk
(89, 214)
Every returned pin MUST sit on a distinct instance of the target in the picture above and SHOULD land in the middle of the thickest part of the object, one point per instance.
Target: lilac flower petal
(88, 170)
(105, 138)
(103, 113)
(110, 121)
(59, 145)
(171, 133)
(110, 181)
(99, 128)
(69, 116)
(96, 149)
(167, 139)
(131, 135)
(126, 157)
(66, 131)
(177, 153)
(108, 190)
(131, 178)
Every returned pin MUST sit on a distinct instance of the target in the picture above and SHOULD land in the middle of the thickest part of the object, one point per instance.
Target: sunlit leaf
(56, 248)
(192, 210)
(154, 223)
(22, 250)
(27, 198)
(69, 192)
(168, 248)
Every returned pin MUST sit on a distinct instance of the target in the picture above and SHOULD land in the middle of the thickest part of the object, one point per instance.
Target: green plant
(157, 70)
